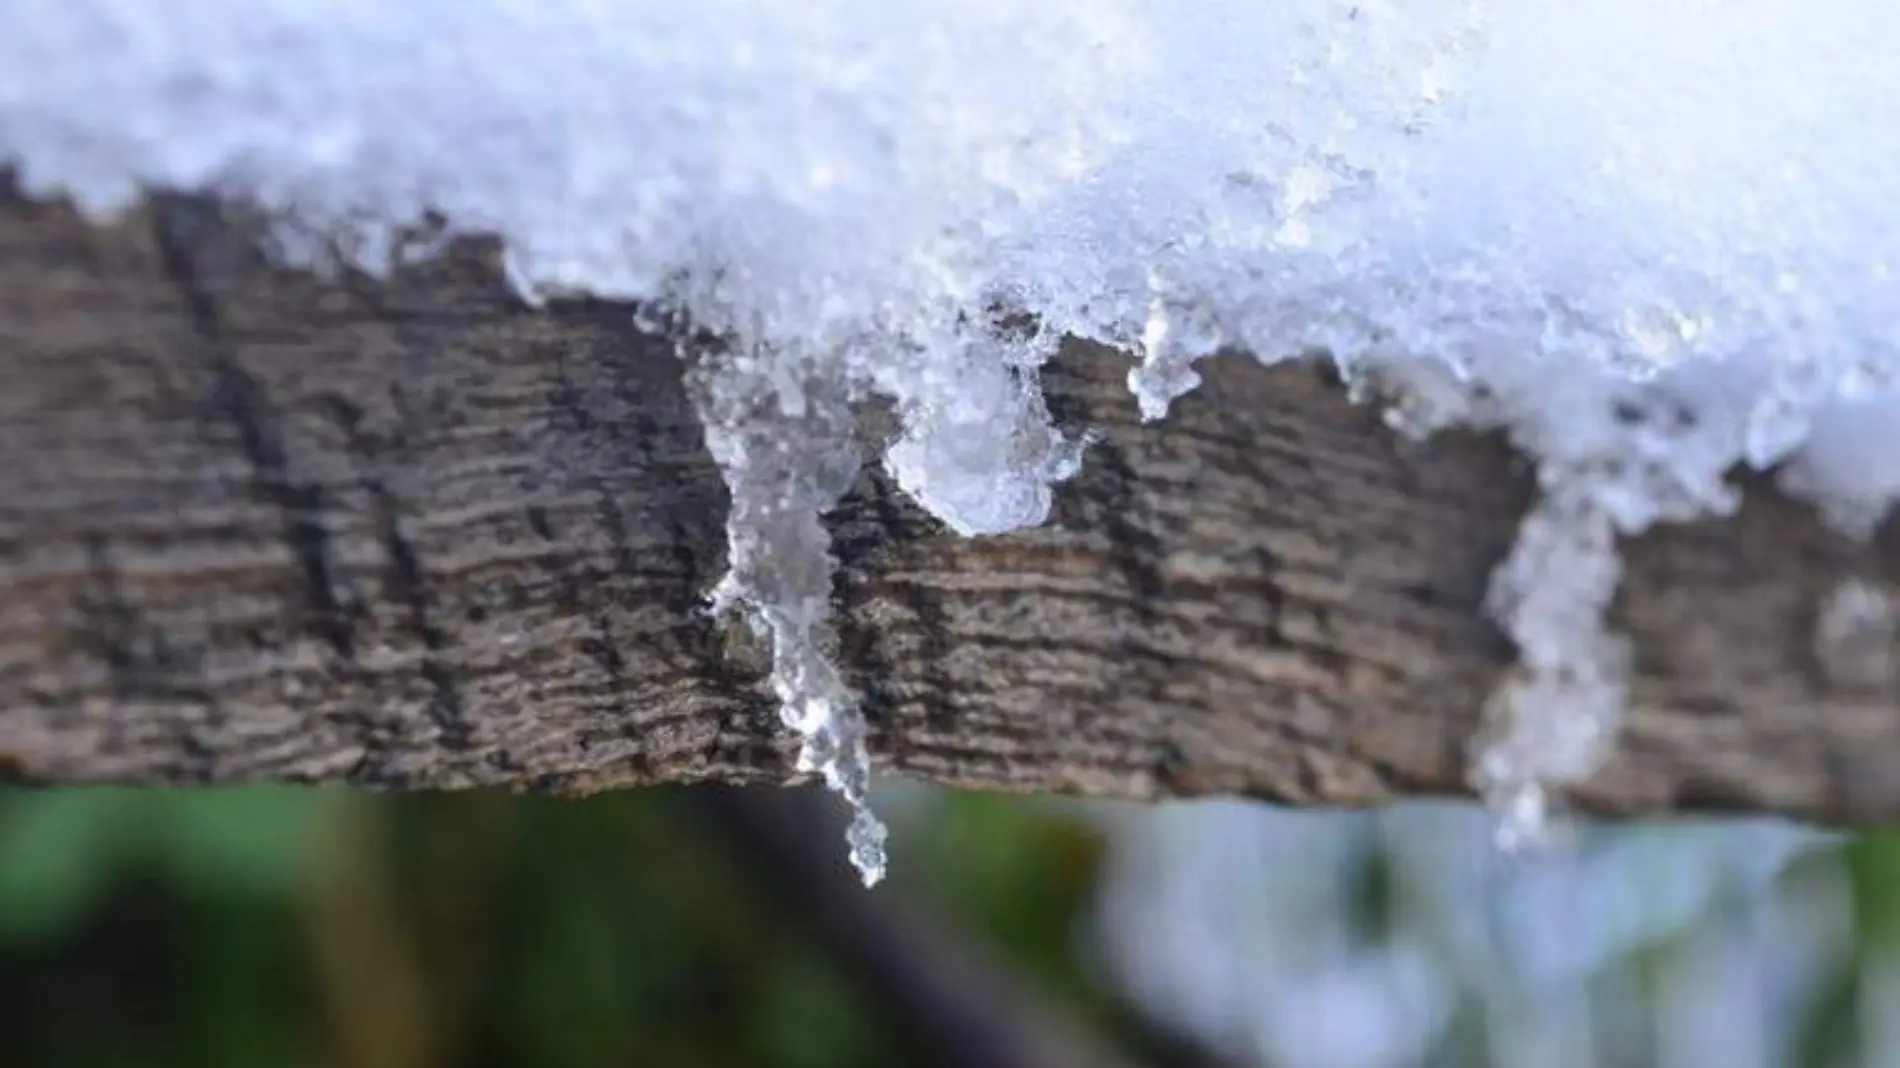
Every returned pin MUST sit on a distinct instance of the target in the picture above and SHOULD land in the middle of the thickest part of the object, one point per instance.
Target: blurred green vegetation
(300, 927)
(303, 928)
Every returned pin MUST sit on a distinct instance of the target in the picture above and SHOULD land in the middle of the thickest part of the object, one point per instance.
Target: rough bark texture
(410, 533)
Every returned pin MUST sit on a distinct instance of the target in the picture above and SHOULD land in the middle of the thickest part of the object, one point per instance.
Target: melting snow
(1652, 241)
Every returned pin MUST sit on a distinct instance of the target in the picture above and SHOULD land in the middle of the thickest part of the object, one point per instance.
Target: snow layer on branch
(1650, 240)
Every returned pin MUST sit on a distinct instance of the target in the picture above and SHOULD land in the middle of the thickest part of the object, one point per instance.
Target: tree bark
(408, 532)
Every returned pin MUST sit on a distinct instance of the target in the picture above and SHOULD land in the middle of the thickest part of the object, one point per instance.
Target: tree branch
(410, 533)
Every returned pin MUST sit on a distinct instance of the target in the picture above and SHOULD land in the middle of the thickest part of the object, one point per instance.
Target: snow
(1652, 242)
(1854, 636)
(1305, 939)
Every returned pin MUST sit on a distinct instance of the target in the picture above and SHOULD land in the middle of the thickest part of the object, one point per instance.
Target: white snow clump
(1650, 241)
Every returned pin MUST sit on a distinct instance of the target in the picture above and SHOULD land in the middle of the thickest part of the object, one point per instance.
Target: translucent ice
(1651, 241)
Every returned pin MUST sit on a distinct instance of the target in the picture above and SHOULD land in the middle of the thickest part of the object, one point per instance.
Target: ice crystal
(1649, 241)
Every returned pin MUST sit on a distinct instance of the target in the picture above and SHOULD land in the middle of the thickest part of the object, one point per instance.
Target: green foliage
(295, 927)
(300, 928)
(1870, 868)
(1872, 862)
(60, 850)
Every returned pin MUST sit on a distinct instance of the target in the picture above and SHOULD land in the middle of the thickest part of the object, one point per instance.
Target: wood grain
(408, 533)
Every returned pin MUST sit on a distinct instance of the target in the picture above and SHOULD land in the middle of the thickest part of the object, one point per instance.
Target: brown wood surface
(407, 532)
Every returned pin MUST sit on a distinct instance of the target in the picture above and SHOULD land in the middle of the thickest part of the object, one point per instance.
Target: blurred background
(303, 928)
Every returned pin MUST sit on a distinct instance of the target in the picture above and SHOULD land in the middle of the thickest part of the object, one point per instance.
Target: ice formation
(1651, 241)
